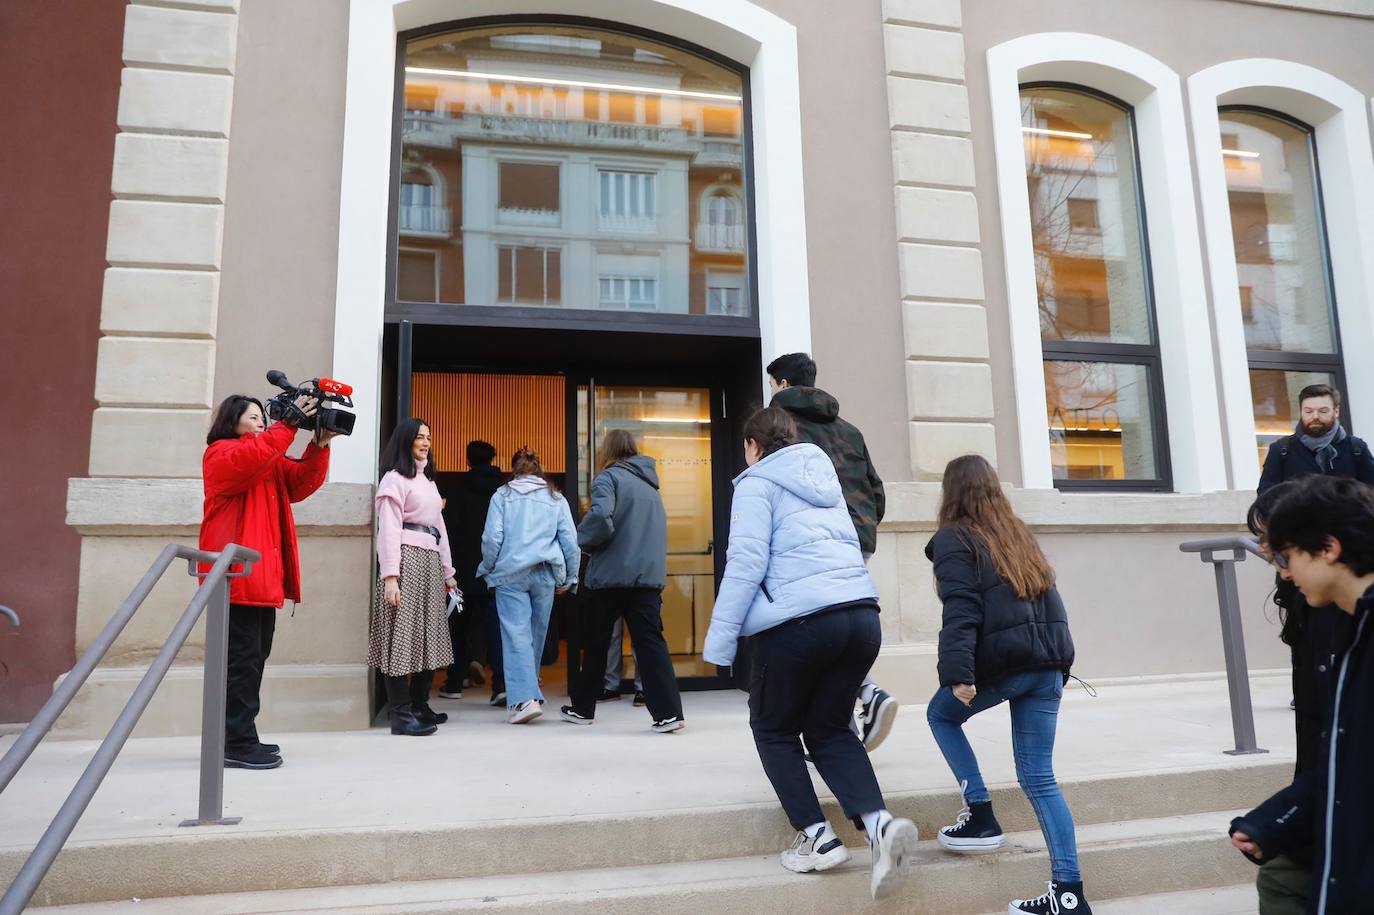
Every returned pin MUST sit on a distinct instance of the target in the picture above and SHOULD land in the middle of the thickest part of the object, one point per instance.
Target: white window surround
(737, 29)
(1185, 337)
(1337, 113)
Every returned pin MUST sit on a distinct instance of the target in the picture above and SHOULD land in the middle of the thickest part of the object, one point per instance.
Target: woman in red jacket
(250, 484)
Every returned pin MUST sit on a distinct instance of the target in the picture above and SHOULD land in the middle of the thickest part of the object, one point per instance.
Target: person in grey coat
(625, 535)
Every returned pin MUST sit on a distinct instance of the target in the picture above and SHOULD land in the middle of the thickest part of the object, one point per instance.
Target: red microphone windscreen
(336, 387)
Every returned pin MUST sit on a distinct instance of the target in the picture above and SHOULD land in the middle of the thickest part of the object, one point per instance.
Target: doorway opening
(684, 398)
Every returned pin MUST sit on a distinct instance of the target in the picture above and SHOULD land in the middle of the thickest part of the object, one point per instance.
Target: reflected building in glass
(571, 168)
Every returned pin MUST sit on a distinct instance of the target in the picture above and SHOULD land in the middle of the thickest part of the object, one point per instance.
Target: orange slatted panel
(507, 410)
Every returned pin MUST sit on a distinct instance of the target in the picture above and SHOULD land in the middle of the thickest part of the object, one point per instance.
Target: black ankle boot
(405, 722)
(427, 715)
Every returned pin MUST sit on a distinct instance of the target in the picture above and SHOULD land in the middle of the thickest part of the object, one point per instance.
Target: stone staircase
(1138, 834)
(1155, 830)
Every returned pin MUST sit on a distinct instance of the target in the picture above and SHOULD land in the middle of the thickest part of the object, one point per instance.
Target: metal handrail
(1223, 553)
(212, 592)
(10, 615)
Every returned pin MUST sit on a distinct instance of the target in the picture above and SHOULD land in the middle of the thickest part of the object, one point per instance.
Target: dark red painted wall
(59, 89)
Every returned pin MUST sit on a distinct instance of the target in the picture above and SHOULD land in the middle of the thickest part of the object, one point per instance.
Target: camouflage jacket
(818, 421)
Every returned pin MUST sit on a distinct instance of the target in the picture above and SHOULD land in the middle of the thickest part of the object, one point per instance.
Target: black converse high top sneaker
(975, 830)
(1062, 899)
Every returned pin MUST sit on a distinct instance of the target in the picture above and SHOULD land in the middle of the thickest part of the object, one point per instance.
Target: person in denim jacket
(529, 553)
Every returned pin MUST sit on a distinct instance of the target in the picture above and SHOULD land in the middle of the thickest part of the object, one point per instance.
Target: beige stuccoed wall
(1337, 44)
(856, 317)
(281, 232)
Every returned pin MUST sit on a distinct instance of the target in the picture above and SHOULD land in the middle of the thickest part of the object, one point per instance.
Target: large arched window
(1104, 394)
(1282, 266)
(575, 157)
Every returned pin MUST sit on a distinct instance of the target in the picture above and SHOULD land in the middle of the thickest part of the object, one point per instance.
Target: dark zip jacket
(465, 515)
(988, 632)
(1332, 803)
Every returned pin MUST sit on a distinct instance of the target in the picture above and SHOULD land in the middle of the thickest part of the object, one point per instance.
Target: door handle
(10, 615)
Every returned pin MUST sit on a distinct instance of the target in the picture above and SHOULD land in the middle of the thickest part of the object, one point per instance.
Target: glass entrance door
(672, 425)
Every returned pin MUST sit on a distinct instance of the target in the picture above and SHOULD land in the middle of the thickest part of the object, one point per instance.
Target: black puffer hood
(811, 404)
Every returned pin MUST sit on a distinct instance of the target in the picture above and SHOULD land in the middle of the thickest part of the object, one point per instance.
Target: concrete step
(228, 859)
(1119, 860)
(1228, 900)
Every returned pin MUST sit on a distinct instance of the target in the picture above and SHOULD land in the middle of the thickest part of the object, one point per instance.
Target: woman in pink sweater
(408, 638)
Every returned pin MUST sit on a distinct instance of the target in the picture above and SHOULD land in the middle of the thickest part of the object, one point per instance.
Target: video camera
(282, 407)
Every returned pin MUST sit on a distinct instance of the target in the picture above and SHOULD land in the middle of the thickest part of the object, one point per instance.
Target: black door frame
(723, 426)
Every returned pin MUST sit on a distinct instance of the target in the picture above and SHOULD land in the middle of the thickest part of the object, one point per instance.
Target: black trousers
(804, 678)
(459, 629)
(642, 609)
(250, 642)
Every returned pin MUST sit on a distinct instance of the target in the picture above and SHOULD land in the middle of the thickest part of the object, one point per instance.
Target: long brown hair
(972, 496)
(618, 445)
(526, 463)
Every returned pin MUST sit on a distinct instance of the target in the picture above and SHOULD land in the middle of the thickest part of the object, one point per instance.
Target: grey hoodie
(625, 532)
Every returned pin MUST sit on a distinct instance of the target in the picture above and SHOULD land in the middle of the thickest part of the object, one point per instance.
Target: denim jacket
(527, 526)
(793, 549)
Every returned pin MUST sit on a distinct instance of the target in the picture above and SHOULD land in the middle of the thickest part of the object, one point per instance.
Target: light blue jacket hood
(793, 549)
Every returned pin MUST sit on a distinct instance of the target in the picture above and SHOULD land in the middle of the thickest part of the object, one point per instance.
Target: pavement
(478, 769)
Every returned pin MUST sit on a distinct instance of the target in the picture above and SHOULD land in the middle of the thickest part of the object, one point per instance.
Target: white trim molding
(1337, 113)
(737, 29)
(1185, 337)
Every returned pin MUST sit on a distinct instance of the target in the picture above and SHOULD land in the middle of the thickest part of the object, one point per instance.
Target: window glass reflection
(1101, 421)
(1275, 396)
(1275, 222)
(569, 167)
(1085, 218)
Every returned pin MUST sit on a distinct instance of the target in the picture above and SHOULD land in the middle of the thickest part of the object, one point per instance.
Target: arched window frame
(1154, 92)
(1338, 118)
(758, 39)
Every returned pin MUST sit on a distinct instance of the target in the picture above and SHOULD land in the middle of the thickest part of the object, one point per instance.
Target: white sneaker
(526, 711)
(894, 856)
(820, 852)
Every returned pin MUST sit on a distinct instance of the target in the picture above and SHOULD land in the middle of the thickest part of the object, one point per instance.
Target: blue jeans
(524, 606)
(1034, 698)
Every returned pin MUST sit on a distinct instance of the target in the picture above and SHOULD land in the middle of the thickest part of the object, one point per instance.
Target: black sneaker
(571, 717)
(975, 830)
(640, 701)
(609, 695)
(668, 725)
(255, 757)
(878, 714)
(498, 697)
(1061, 899)
(271, 748)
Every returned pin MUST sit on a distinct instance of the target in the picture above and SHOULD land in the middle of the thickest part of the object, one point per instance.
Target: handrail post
(212, 710)
(1233, 645)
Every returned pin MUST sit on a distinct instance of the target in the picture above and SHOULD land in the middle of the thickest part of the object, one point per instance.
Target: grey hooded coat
(625, 532)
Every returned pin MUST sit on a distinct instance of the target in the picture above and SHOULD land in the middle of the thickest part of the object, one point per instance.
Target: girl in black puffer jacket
(1005, 637)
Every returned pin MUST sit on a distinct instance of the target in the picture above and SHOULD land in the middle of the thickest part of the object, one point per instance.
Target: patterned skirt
(412, 637)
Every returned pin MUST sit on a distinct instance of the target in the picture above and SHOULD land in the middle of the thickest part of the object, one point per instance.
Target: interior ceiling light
(553, 81)
(1240, 153)
(669, 419)
(1050, 132)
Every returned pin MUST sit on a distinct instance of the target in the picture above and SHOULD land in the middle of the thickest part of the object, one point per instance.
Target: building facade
(1091, 242)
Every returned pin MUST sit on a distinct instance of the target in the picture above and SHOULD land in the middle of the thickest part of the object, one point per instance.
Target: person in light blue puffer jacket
(795, 584)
